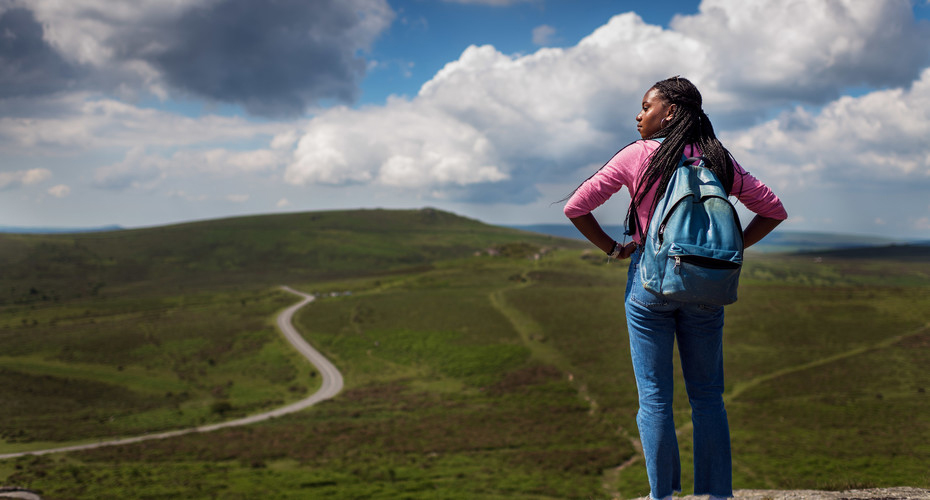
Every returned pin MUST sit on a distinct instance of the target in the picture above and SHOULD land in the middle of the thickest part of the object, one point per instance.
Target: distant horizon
(615, 228)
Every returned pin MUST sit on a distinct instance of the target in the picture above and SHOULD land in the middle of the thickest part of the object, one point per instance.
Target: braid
(688, 125)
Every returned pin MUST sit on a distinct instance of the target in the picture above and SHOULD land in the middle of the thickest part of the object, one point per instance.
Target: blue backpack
(693, 247)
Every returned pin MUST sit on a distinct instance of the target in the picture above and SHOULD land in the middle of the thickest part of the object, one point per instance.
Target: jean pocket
(704, 309)
(646, 298)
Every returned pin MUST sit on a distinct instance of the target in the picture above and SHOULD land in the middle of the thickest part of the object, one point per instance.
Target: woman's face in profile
(654, 110)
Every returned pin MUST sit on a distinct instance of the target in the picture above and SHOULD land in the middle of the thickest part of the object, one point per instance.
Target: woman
(671, 109)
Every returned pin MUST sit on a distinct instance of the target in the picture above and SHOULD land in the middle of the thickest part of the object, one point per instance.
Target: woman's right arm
(589, 228)
(597, 189)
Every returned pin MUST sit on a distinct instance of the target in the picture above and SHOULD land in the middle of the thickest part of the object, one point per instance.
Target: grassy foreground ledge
(468, 375)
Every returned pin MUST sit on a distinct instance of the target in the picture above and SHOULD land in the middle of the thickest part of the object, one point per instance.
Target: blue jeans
(654, 324)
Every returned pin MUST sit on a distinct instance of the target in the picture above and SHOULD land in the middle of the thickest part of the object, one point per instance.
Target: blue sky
(146, 112)
(429, 34)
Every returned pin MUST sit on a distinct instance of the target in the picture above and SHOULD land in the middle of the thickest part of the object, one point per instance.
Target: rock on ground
(903, 493)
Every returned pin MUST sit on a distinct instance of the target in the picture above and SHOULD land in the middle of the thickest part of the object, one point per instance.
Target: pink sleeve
(756, 196)
(625, 168)
(620, 171)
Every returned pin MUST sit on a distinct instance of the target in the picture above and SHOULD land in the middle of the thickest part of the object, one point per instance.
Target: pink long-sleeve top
(626, 169)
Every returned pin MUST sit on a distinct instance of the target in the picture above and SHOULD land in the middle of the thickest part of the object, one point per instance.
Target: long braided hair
(688, 125)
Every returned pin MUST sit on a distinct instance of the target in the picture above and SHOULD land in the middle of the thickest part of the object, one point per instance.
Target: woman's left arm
(759, 198)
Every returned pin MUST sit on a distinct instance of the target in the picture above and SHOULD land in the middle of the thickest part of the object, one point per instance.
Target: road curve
(332, 384)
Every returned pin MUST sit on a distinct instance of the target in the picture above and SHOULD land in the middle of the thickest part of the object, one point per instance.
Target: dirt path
(741, 387)
(332, 384)
(533, 337)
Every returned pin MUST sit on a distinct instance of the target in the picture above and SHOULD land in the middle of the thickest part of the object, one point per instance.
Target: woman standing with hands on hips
(671, 110)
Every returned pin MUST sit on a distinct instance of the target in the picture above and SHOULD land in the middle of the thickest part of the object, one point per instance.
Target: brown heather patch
(918, 341)
(367, 424)
(531, 375)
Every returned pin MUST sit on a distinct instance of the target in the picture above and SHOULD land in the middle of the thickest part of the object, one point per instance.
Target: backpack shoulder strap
(632, 221)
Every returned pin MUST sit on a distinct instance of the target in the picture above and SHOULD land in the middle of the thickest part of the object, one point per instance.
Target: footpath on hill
(332, 384)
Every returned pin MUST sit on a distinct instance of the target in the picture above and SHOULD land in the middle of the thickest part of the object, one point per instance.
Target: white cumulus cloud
(9, 180)
(879, 138)
(143, 170)
(770, 51)
(403, 144)
(59, 191)
(542, 35)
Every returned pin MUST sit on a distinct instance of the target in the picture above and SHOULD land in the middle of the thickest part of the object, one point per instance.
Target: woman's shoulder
(648, 144)
(639, 148)
(631, 159)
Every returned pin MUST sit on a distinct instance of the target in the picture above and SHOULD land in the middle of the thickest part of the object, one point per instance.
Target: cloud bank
(876, 139)
(488, 129)
(272, 58)
(519, 120)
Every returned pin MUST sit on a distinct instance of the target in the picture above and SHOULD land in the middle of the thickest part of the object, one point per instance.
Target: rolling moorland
(781, 241)
(479, 362)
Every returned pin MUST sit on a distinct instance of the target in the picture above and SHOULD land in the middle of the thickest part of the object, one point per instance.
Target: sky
(151, 112)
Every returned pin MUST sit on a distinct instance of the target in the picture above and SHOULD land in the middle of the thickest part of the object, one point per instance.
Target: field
(469, 374)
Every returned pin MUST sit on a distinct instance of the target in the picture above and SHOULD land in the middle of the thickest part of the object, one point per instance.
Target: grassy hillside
(245, 251)
(152, 329)
(474, 377)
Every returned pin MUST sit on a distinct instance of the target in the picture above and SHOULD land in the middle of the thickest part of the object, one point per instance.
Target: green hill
(916, 253)
(256, 251)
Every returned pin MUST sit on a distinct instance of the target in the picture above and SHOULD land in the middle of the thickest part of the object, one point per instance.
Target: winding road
(332, 384)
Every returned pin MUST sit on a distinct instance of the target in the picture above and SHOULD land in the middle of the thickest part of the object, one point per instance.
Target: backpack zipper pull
(677, 264)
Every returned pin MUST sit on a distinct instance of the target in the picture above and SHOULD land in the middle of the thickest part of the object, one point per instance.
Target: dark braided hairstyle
(688, 125)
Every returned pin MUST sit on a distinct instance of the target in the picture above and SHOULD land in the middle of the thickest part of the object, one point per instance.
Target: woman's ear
(669, 114)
